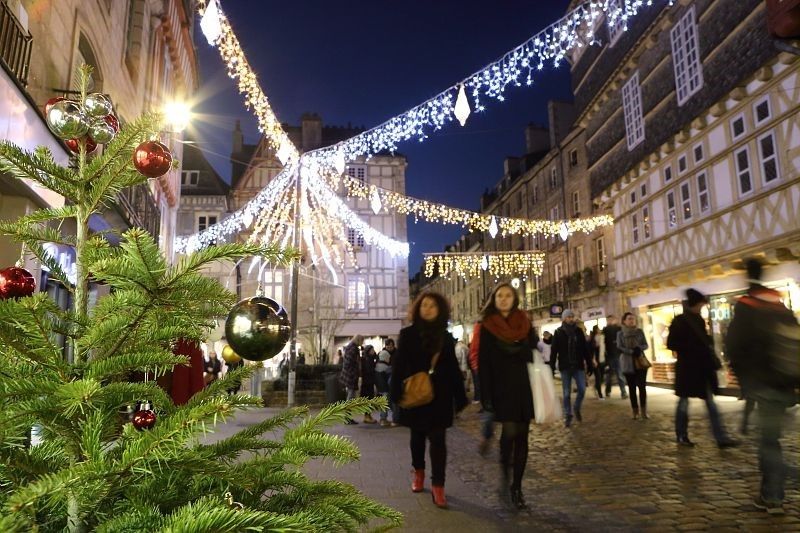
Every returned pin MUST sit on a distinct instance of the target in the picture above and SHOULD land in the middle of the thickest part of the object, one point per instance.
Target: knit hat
(567, 313)
(694, 297)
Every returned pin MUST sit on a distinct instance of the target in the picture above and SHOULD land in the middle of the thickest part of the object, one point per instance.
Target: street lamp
(177, 115)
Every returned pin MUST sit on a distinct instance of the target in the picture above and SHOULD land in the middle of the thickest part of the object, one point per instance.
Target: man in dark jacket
(696, 368)
(570, 352)
(351, 368)
(753, 350)
(612, 356)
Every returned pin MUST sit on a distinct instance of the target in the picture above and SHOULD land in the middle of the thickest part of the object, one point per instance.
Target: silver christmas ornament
(97, 105)
(67, 120)
(257, 328)
(101, 131)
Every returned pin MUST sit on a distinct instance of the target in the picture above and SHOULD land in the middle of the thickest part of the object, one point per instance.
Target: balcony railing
(15, 44)
(140, 209)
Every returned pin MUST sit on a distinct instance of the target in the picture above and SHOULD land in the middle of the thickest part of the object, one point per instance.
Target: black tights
(438, 452)
(637, 381)
(514, 449)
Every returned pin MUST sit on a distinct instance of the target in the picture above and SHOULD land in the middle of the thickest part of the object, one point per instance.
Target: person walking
(351, 369)
(487, 417)
(212, 368)
(505, 349)
(462, 356)
(544, 345)
(762, 338)
(383, 374)
(597, 350)
(610, 333)
(570, 353)
(426, 346)
(696, 368)
(369, 361)
(631, 343)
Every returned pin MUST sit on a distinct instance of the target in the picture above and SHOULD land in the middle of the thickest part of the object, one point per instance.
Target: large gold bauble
(230, 356)
(257, 328)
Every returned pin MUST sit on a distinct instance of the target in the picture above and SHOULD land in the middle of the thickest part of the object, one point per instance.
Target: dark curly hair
(432, 334)
(441, 303)
(490, 308)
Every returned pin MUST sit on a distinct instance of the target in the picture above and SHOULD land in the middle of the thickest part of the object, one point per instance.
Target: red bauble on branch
(74, 145)
(144, 418)
(152, 159)
(112, 121)
(50, 103)
(16, 282)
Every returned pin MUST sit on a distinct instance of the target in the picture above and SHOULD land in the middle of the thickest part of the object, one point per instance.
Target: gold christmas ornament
(229, 355)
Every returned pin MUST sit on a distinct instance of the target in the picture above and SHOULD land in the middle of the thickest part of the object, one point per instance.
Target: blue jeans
(382, 384)
(613, 368)
(566, 386)
(682, 417)
(770, 456)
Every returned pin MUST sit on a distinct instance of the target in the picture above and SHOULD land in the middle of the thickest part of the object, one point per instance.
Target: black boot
(517, 500)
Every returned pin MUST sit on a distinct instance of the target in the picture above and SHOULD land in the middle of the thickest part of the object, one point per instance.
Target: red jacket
(474, 346)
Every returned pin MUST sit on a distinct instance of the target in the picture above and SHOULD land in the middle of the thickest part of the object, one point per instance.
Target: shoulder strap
(434, 361)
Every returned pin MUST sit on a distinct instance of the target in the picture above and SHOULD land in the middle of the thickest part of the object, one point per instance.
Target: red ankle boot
(418, 483)
(437, 492)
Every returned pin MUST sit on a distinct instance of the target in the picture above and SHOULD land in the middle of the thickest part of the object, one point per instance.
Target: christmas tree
(93, 470)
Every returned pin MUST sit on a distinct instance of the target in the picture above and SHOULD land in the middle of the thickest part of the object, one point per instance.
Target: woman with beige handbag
(426, 385)
(634, 363)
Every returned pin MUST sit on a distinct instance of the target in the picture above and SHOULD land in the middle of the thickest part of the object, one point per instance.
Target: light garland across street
(473, 264)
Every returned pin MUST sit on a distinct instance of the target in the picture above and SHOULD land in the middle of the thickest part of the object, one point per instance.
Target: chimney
(311, 124)
(561, 116)
(511, 166)
(537, 139)
(238, 139)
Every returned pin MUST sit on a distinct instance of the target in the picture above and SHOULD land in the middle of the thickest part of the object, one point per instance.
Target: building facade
(368, 298)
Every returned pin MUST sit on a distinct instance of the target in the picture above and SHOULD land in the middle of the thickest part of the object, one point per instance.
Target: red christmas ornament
(152, 159)
(16, 282)
(144, 418)
(74, 145)
(112, 121)
(50, 103)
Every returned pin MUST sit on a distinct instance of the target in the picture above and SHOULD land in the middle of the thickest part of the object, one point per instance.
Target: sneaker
(775, 508)
(684, 441)
(384, 423)
(568, 421)
(578, 416)
(728, 443)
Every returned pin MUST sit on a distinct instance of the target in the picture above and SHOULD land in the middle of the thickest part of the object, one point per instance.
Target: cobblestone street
(609, 473)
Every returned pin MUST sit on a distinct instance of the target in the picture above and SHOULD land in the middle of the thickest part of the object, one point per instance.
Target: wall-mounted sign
(556, 309)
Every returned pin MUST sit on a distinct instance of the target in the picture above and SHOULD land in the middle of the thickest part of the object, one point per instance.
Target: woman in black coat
(416, 348)
(504, 351)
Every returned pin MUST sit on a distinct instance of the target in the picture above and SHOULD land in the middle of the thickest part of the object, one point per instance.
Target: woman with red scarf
(505, 349)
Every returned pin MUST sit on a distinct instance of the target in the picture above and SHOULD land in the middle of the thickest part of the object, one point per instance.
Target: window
(643, 190)
(633, 196)
(646, 222)
(743, 174)
(534, 194)
(519, 200)
(702, 193)
(672, 213)
(682, 164)
(578, 258)
(600, 250)
(573, 158)
(762, 111)
(686, 57)
(190, 178)
(635, 227)
(576, 204)
(553, 178)
(618, 26)
(357, 293)
(358, 172)
(355, 239)
(698, 153)
(205, 222)
(737, 127)
(632, 108)
(686, 200)
(667, 174)
(554, 213)
(558, 272)
(769, 157)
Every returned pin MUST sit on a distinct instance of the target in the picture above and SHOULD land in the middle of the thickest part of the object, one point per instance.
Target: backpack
(785, 351)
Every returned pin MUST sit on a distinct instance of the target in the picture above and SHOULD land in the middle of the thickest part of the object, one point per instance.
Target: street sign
(556, 309)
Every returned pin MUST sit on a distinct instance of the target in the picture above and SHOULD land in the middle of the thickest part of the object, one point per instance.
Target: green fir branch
(39, 167)
(122, 364)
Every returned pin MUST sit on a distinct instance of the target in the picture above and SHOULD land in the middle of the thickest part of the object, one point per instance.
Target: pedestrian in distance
(597, 349)
(426, 346)
(695, 369)
(506, 345)
(383, 374)
(763, 344)
(212, 368)
(631, 343)
(570, 354)
(544, 346)
(369, 362)
(351, 369)
(612, 356)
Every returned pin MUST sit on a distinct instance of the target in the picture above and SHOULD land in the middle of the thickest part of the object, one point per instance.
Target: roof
(209, 182)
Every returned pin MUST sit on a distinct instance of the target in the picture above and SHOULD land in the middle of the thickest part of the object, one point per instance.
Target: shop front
(658, 309)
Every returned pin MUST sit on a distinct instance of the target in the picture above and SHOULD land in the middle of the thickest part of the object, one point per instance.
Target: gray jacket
(626, 353)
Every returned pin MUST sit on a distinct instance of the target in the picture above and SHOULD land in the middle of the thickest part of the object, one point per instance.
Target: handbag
(640, 360)
(418, 388)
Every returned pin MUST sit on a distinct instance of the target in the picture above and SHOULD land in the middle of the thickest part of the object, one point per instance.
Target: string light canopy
(474, 264)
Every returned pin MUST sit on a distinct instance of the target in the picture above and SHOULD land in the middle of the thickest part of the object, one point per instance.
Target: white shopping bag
(546, 407)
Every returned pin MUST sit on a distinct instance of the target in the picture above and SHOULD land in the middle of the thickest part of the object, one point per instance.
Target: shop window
(743, 173)
(702, 193)
(632, 110)
(737, 127)
(656, 328)
(769, 157)
(672, 212)
(686, 57)
(686, 200)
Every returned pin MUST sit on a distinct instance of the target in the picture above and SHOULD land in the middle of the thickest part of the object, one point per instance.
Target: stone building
(143, 56)
(691, 126)
(369, 298)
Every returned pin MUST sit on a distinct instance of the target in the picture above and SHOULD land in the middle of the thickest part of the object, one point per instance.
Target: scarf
(630, 337)
(512, 329)
(432, 335)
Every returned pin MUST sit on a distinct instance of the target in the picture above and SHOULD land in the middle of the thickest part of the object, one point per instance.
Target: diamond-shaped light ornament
(210, 23)
(564, 231)
(284, 152)
(485, 262)
(339, 162)
(375, 201)
(462, 110)
(493, 229)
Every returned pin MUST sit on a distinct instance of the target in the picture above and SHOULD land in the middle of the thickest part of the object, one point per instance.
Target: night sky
(364, 61)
